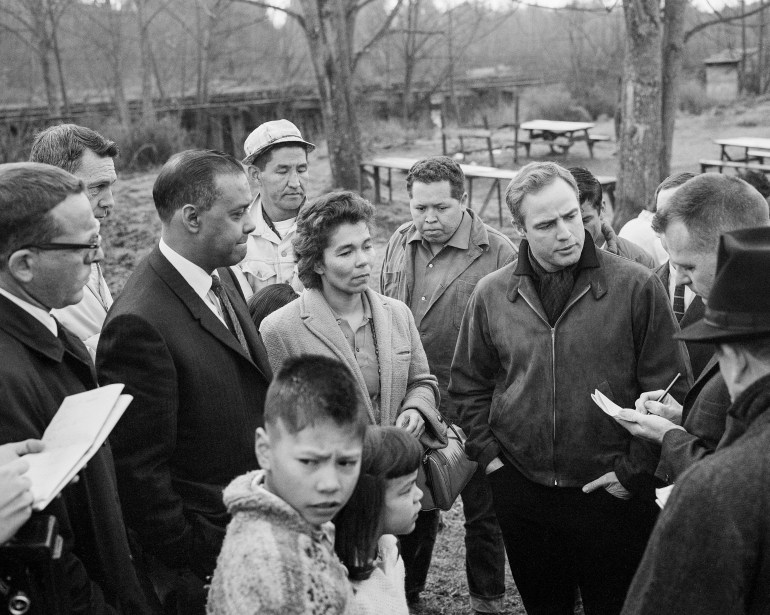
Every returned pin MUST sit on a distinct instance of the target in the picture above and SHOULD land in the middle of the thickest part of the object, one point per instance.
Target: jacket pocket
(463, 290)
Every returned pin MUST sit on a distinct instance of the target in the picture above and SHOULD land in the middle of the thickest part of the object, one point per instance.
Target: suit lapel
(319, 319)
(199, 310)
(712, 367)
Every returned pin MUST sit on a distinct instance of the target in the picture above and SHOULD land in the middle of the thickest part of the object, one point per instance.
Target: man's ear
(262, 448)
(464, 200)
(190, 218)
(21, 265)
(522, 230)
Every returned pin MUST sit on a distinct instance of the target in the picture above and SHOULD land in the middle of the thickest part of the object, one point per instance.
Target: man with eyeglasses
(49, 239)
(88, 156)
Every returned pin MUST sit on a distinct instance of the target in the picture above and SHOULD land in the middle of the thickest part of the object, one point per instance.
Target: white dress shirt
(196, 277)
(688, 294)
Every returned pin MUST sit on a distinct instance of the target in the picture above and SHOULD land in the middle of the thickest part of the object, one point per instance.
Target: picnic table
(752, 157)
(560, 136)
(471, 171)
(754, 148)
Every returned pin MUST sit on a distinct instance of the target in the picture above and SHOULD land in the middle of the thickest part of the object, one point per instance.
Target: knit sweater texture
(273, 561)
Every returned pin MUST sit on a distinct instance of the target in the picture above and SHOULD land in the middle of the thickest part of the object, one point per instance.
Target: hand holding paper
(79, 428)
(648, 426)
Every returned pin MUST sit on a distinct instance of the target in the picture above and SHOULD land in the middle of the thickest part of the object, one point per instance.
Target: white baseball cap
(266, 135)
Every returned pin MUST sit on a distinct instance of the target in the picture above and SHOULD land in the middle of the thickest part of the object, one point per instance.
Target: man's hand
(13, 450)
(15, 497)
(412, 421)
(668, 408)
(611, 484)
(647, 426)
(493, 465)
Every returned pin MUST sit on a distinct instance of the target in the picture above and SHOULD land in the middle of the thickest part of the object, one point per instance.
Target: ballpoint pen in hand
(668, 388)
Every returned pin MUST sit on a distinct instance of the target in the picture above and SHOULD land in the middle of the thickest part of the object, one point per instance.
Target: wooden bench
(759, 155)
(471, 171)
(705, 165)
(484, 134)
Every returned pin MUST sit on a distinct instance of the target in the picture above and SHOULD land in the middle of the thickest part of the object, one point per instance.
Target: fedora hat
(738, 305)
(270, 134)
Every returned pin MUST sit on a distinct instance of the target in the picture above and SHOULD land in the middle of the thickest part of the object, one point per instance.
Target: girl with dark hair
(385, 503)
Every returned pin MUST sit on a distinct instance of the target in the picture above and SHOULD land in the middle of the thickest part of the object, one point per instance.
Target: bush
(144, 144)
(693, 99)
(554, 104)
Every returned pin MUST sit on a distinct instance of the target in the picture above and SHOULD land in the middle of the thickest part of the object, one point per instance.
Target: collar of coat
(751, 407)
(479, 236)
(33, 334)
(589, 265)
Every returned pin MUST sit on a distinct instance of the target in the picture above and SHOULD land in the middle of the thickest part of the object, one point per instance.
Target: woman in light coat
(340, 316)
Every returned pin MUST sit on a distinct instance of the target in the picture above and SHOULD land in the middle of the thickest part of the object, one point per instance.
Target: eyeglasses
(93, 247)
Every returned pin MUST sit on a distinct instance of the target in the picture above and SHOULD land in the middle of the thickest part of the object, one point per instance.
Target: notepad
(605, 403)
(79, 427)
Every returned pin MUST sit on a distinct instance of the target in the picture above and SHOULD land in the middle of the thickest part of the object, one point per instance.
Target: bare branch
(722, 19)
(377, 35)
(266, 5)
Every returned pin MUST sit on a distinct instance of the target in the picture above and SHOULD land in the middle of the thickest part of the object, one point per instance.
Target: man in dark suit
(690, 224)
(181, 339)
(688, 307)
(49, 239)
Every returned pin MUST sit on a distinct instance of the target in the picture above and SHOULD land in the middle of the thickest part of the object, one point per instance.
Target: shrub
(693, 99)
(146, 144)
(555, 104)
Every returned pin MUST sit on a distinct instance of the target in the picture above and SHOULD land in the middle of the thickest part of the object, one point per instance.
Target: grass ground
(132, 231)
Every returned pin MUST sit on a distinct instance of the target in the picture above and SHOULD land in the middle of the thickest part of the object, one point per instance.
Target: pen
(668, 388)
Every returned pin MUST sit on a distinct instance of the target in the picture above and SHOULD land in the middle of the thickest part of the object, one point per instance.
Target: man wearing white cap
(276, 161)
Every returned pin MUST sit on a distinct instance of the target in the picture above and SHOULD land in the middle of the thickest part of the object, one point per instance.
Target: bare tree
(35, 23)
(330, 30)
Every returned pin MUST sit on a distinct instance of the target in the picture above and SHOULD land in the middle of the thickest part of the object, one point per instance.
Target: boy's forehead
(318, 434)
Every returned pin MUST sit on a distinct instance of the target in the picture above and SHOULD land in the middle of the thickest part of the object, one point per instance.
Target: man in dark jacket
(573, 494)
(180, 338)
(49, 239)
(708, 553)
(690, 224)
(432, 264)
(592, 209)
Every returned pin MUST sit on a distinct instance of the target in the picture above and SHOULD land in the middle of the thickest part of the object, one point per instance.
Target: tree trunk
(673, 45)
(640, 139)
(57, 57)
(330, 33)
(148, 108)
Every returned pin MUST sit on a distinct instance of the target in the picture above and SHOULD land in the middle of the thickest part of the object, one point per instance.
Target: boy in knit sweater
(278, 554)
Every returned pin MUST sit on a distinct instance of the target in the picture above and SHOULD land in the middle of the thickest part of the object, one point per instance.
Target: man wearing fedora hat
(708, 553)
(276, 162)
(698, 212)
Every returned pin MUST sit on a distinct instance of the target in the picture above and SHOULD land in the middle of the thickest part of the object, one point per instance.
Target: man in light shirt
(88, 156)
(277, 167)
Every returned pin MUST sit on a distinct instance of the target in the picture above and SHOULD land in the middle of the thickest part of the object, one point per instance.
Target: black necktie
(679, 302)
(229, 314)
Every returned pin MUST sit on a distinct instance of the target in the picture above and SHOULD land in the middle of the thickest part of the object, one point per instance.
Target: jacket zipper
(553, 368)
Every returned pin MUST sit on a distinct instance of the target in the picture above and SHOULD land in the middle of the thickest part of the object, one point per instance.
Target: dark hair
(589, 188)
(530, 179)
(389, 452)
(757, 180)
(28, 192)
(309, 389)
(437, 169)
(190, 177)
(672, 181)
(711, 204)
(268, 299)
(316, 223)
(63, 146)
(264, 157)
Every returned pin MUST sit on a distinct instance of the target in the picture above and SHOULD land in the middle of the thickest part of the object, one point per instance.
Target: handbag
(444, 472)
